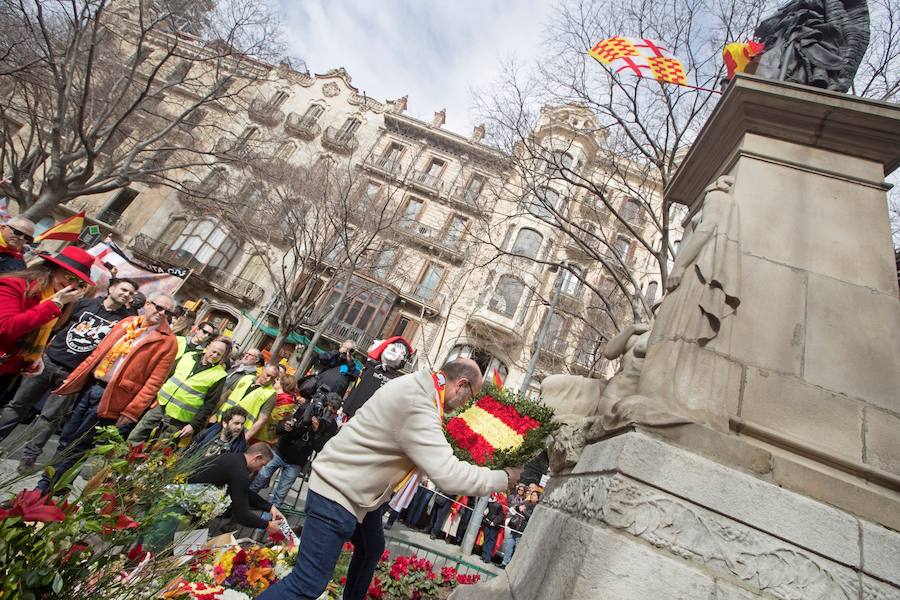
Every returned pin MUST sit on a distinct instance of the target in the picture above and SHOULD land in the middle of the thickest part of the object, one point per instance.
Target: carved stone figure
(815, 42)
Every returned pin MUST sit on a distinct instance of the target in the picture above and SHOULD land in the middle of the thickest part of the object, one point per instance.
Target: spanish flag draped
(68, 229)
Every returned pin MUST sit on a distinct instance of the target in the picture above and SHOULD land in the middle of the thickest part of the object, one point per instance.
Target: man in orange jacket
(118, 381)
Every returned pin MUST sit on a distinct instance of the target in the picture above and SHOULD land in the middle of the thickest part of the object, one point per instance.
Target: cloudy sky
(436, 51)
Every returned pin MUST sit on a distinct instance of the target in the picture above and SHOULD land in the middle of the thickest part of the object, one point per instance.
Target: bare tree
(97, 94)
(593, 150)
(312, 225)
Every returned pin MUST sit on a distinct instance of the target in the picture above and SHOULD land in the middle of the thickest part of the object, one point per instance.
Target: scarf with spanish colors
(122, 347)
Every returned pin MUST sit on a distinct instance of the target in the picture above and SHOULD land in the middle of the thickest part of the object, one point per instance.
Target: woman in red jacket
(32, 300)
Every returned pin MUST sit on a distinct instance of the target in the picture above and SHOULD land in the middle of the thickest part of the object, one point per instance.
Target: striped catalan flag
(67, 229)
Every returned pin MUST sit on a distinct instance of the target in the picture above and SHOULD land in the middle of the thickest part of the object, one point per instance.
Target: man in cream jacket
(399, 429)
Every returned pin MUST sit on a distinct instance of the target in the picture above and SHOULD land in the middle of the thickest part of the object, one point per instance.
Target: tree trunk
(43, 207)
(307, 359)
(276, 346)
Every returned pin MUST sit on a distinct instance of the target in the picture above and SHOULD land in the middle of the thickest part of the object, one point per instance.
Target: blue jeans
(328, 525)
(286, 479)
(78, 432)
(490, 540)
(417, 506)
(509, 547)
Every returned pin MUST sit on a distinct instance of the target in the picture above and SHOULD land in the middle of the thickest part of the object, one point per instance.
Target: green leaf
(57, 583)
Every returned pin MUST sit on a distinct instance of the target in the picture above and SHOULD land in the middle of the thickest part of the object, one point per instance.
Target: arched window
(507, 295)
(571, 280)
(207, 242)
(528, 243)
(542, 203)
(313, 113)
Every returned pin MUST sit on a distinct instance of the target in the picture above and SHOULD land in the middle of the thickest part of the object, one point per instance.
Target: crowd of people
(74, 358)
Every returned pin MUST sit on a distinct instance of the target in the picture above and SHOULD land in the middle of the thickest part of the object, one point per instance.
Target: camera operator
(337, 370)
(306, 432)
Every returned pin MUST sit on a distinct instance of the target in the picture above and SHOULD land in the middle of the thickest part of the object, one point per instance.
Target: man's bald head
(464, 380)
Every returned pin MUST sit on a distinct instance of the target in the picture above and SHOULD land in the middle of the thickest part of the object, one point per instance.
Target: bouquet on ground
(499, 429)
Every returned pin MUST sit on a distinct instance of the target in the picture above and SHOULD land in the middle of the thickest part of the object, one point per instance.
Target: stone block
(838, 489)
(768, 327)
(881, 552)
(882, 440)
(723, 448)
(804, 412)
(727, 591)
(615, 566)
(852, 341)
(742, 497)
(833, 227)
(872, 589)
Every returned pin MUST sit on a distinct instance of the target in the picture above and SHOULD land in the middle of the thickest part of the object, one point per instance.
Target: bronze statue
(815, 42)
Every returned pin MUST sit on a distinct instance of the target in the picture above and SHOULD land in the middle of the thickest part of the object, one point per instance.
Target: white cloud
(436, 52)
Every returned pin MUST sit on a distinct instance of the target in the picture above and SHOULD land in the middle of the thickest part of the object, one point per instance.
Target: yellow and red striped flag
(67, 229)
(738, 55)
(498, 381)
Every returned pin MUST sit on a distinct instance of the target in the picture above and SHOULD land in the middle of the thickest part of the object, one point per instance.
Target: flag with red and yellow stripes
(67, 229)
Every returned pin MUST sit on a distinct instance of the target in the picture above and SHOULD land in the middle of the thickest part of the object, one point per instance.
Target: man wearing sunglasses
(118, 381)
(17, 232)
(199, 338)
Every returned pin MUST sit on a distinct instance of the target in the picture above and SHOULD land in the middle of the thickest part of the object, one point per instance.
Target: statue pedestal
(648, 517)
(797, 493)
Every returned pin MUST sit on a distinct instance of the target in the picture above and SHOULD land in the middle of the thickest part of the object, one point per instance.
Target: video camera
(318, 407)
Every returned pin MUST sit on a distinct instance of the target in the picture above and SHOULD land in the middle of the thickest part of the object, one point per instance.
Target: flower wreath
(499, 429)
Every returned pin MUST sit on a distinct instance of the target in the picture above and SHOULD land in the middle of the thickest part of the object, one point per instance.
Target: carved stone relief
(331, 89)
(702, 536)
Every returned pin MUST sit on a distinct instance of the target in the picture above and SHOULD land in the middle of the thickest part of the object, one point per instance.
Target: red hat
(74, 260)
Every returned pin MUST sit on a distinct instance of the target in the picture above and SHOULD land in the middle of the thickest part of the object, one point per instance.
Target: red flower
(386, 555)
(343, 581)
(137, 553)
(276, 537)
(32, 505)
(508, 414)
(348, 547)
(74, 550)
(110, 506)
(123, 522)
(240, 558)
(136, 453)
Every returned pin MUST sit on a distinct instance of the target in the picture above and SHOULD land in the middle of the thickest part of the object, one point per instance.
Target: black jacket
(494, 517)
(231, 470)
(373, 377)
(298, 444)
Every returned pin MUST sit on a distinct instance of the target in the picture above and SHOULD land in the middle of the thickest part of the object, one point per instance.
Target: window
(474, 186)
(541, 204)
(207, 242)
(528, 243)
(348, 129)
(630, 210)
(622, 247)
(430, 281)
(410, 211)
(179, 73)
(400, 326)
(391, 156)
(559, 328)
(222, 86)
(112, 212)
(558, 162)
(485, 361)
(652, 288)
(313, 113)
(285, 151)
(383, 261)
(277, 100)
(589, 352)
(372, 189)
(254, 269)
(571, 284)
(456, 229)
(507, 295)
(436, 168)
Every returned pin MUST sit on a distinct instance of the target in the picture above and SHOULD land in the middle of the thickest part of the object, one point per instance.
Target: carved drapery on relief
(699, 535)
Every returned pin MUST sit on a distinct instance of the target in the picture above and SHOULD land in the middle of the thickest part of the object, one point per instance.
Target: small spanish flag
(68, 229)
(498, 381)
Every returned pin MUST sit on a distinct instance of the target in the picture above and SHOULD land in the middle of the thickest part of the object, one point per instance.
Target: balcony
(262, 112)
(428, 298)
(553, 349)
(233, 149)
(155, 251)
(384, 166)
(192, 189)
(339, 331)
(340, 140)
(467, 199)
(110, 218)
(431, 238)
(427, 182)
(490, 324)
(301, 127)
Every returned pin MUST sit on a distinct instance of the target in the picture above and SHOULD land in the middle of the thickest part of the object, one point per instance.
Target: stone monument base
(694, 514)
